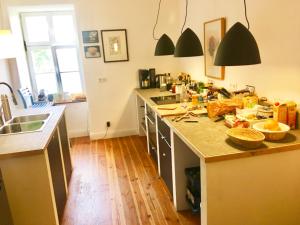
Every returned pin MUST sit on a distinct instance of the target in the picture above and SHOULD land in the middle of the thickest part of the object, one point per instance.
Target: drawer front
(164, 129)
(165, 163)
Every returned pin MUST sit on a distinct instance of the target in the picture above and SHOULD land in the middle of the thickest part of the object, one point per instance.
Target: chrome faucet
(5, 105)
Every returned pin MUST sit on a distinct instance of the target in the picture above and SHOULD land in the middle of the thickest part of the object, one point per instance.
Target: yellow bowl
(246, 137)
(272, 135)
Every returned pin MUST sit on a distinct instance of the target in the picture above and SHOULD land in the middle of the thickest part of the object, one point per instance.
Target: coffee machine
(147, 78)
(144, 79)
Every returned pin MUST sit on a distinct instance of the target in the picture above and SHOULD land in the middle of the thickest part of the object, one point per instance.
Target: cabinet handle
(164, 154)
(163, 138)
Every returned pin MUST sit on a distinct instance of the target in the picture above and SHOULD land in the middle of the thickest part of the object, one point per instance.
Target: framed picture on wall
(90, 36)
(214, 31)
(92, 51)
(114, 44)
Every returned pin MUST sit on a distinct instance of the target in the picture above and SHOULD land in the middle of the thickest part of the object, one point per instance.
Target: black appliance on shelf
(144, 79)
(152, 78)
(147, 78)
(193, 189)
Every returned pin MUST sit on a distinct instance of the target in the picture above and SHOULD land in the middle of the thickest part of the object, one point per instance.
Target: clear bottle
(183, 96)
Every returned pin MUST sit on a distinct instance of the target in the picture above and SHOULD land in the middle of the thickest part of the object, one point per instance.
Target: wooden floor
(114, 181)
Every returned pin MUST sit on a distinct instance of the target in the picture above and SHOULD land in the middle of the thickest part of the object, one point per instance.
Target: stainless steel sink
(15, 128)
(29, 118)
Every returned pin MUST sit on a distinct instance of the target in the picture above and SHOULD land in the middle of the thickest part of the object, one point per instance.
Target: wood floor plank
(115, 182)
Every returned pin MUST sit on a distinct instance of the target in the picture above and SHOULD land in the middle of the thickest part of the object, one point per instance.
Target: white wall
(275, 25)
(114, 100)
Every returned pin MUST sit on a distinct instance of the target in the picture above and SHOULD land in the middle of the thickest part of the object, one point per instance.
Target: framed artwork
(90, 36)
(92, 51)
(114, 43)
(214, 31)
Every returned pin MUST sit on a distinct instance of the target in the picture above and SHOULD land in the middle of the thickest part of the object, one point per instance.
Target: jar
(195, 100)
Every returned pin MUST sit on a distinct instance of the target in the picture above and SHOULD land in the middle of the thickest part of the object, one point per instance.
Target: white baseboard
(77, 133)
(112, 134)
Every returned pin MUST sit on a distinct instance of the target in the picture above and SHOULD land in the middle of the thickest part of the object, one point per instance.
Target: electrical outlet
(108, 124)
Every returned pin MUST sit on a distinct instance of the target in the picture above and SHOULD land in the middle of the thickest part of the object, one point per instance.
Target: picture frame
(114, 45)
(214, 31)
(92, 51)
(90, 36)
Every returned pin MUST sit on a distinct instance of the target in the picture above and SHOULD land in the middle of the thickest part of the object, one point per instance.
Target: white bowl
(272, 135)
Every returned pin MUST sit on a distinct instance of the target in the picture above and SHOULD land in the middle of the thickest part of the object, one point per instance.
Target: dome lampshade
(188, 45)
(164, 46)
(238, 47)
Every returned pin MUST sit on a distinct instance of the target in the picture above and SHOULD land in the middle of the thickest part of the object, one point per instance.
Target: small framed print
(90, 36)
(214, 31)
(92, 51)
(114, 43)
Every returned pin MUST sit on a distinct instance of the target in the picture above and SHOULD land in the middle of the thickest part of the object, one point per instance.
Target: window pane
(63, 27)
(71, 82)
(47, 82)
(42, 60)
(37, 28)
(67, 59)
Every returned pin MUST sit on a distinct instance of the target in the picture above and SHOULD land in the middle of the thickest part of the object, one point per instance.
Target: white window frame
(52, 45)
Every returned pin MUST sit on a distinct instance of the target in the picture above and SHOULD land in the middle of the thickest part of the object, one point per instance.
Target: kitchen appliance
(164, 100)
(161, 80)
(151, 125)
(144, 78)
(152, 78)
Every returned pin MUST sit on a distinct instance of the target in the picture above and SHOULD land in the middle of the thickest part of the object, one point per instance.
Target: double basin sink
(24, 124)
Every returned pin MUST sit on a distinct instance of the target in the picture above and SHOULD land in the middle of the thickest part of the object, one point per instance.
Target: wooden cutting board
(176, 110)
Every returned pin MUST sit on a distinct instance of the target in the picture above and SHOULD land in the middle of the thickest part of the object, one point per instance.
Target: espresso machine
(147, 78)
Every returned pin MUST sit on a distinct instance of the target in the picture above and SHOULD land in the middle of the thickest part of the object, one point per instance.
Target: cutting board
(176, 110)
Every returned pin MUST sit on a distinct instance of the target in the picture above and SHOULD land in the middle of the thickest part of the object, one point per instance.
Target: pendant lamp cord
(245, 6)
(186, 9)
(153, 32)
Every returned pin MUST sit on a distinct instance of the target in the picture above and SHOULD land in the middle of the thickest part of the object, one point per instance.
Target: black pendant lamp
(164, 44)
(188, 44)
(238, 47)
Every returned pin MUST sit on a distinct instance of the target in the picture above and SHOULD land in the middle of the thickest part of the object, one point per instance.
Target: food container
(280, 113)
(272, 135)
(246, 137)
(291, 114)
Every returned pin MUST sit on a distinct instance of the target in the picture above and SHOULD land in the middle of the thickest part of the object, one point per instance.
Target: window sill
(69, 101)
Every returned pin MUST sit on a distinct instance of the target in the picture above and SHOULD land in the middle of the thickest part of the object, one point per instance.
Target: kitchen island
(36, 169)
(238, 186)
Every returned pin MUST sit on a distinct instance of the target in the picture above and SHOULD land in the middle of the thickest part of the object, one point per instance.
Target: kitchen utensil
(167, 108)
(272, 135)
(246, 137)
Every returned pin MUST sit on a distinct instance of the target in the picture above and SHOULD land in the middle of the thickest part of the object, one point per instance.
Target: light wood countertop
(31, 142)
(209, 141)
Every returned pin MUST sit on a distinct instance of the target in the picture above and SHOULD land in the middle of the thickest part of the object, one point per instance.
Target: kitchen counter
(242, 188)
(36, 168)
(31, 142)
(208, 139)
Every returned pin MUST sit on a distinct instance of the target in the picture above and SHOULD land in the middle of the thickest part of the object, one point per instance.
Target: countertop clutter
(208, 139)
(31, 142)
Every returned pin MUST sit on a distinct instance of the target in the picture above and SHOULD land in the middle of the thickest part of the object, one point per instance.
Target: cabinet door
(165, 162)
(5, 216)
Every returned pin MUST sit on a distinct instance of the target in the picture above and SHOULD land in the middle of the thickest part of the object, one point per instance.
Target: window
(52, 51)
